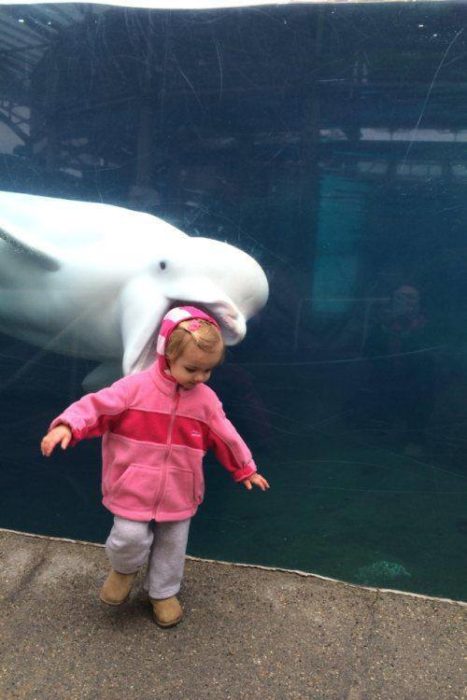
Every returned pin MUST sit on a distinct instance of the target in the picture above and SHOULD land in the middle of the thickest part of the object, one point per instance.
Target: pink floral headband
(176, 316)
(194, 325)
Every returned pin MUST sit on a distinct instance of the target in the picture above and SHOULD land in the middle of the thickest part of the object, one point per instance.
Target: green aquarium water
(328, 141)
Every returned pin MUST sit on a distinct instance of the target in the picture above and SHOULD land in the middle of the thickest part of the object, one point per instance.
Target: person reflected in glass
(156, 427)
(402, 376)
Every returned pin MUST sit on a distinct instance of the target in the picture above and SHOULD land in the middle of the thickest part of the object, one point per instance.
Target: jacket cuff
(245, 472)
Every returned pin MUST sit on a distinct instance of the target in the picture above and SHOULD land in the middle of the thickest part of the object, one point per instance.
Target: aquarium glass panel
(327, 141)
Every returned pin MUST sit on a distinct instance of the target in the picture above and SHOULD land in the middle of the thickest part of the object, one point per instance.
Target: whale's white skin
(94, 280)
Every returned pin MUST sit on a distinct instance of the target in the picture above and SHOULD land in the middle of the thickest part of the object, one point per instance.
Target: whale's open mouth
(233, 325)
(215, 302)
(229, 318)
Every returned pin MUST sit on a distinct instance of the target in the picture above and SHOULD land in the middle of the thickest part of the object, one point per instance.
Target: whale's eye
(162, 264)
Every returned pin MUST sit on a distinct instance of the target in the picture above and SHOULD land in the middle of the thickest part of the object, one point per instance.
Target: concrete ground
(248, 633)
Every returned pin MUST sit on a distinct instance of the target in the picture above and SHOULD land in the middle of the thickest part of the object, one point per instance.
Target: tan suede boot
(117, 587)
(167, 611)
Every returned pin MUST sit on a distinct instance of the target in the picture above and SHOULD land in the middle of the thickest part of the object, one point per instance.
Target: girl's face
(194, 366)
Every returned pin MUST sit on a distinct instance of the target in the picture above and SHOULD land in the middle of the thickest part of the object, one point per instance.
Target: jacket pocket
(185, 484)
(137, 489)
(179, 494)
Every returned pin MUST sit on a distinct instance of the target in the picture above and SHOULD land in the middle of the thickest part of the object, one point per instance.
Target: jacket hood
(169, 323)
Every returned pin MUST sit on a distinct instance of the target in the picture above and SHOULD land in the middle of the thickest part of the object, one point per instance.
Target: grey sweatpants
(163, 545)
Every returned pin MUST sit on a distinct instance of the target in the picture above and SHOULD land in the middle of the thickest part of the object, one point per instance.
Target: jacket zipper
(171, 424)
(169, 448)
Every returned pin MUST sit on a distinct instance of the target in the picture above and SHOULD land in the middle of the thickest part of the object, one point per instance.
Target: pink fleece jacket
(155, 435)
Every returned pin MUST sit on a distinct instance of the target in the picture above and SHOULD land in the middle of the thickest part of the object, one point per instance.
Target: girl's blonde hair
(205, 335)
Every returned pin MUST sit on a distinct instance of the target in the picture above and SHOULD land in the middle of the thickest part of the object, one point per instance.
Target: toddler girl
(156, 427)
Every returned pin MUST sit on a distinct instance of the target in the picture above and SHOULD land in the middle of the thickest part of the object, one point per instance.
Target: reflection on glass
(327, 141)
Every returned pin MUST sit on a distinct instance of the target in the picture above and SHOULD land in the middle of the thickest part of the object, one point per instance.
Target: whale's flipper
(142, 307)
(20, 245)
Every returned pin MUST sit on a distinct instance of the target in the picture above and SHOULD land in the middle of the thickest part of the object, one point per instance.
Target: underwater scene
(329, 143)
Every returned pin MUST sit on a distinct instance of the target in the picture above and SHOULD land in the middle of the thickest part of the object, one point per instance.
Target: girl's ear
(170, 357)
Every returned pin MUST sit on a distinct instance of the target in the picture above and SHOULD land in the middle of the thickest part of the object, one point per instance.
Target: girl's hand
(256, 480)
(60, 434)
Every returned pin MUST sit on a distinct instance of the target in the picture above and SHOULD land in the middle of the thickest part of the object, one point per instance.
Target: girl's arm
(231, 450)
(91, 416)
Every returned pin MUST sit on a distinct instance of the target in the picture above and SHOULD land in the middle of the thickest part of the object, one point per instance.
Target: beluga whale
(94, 280)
